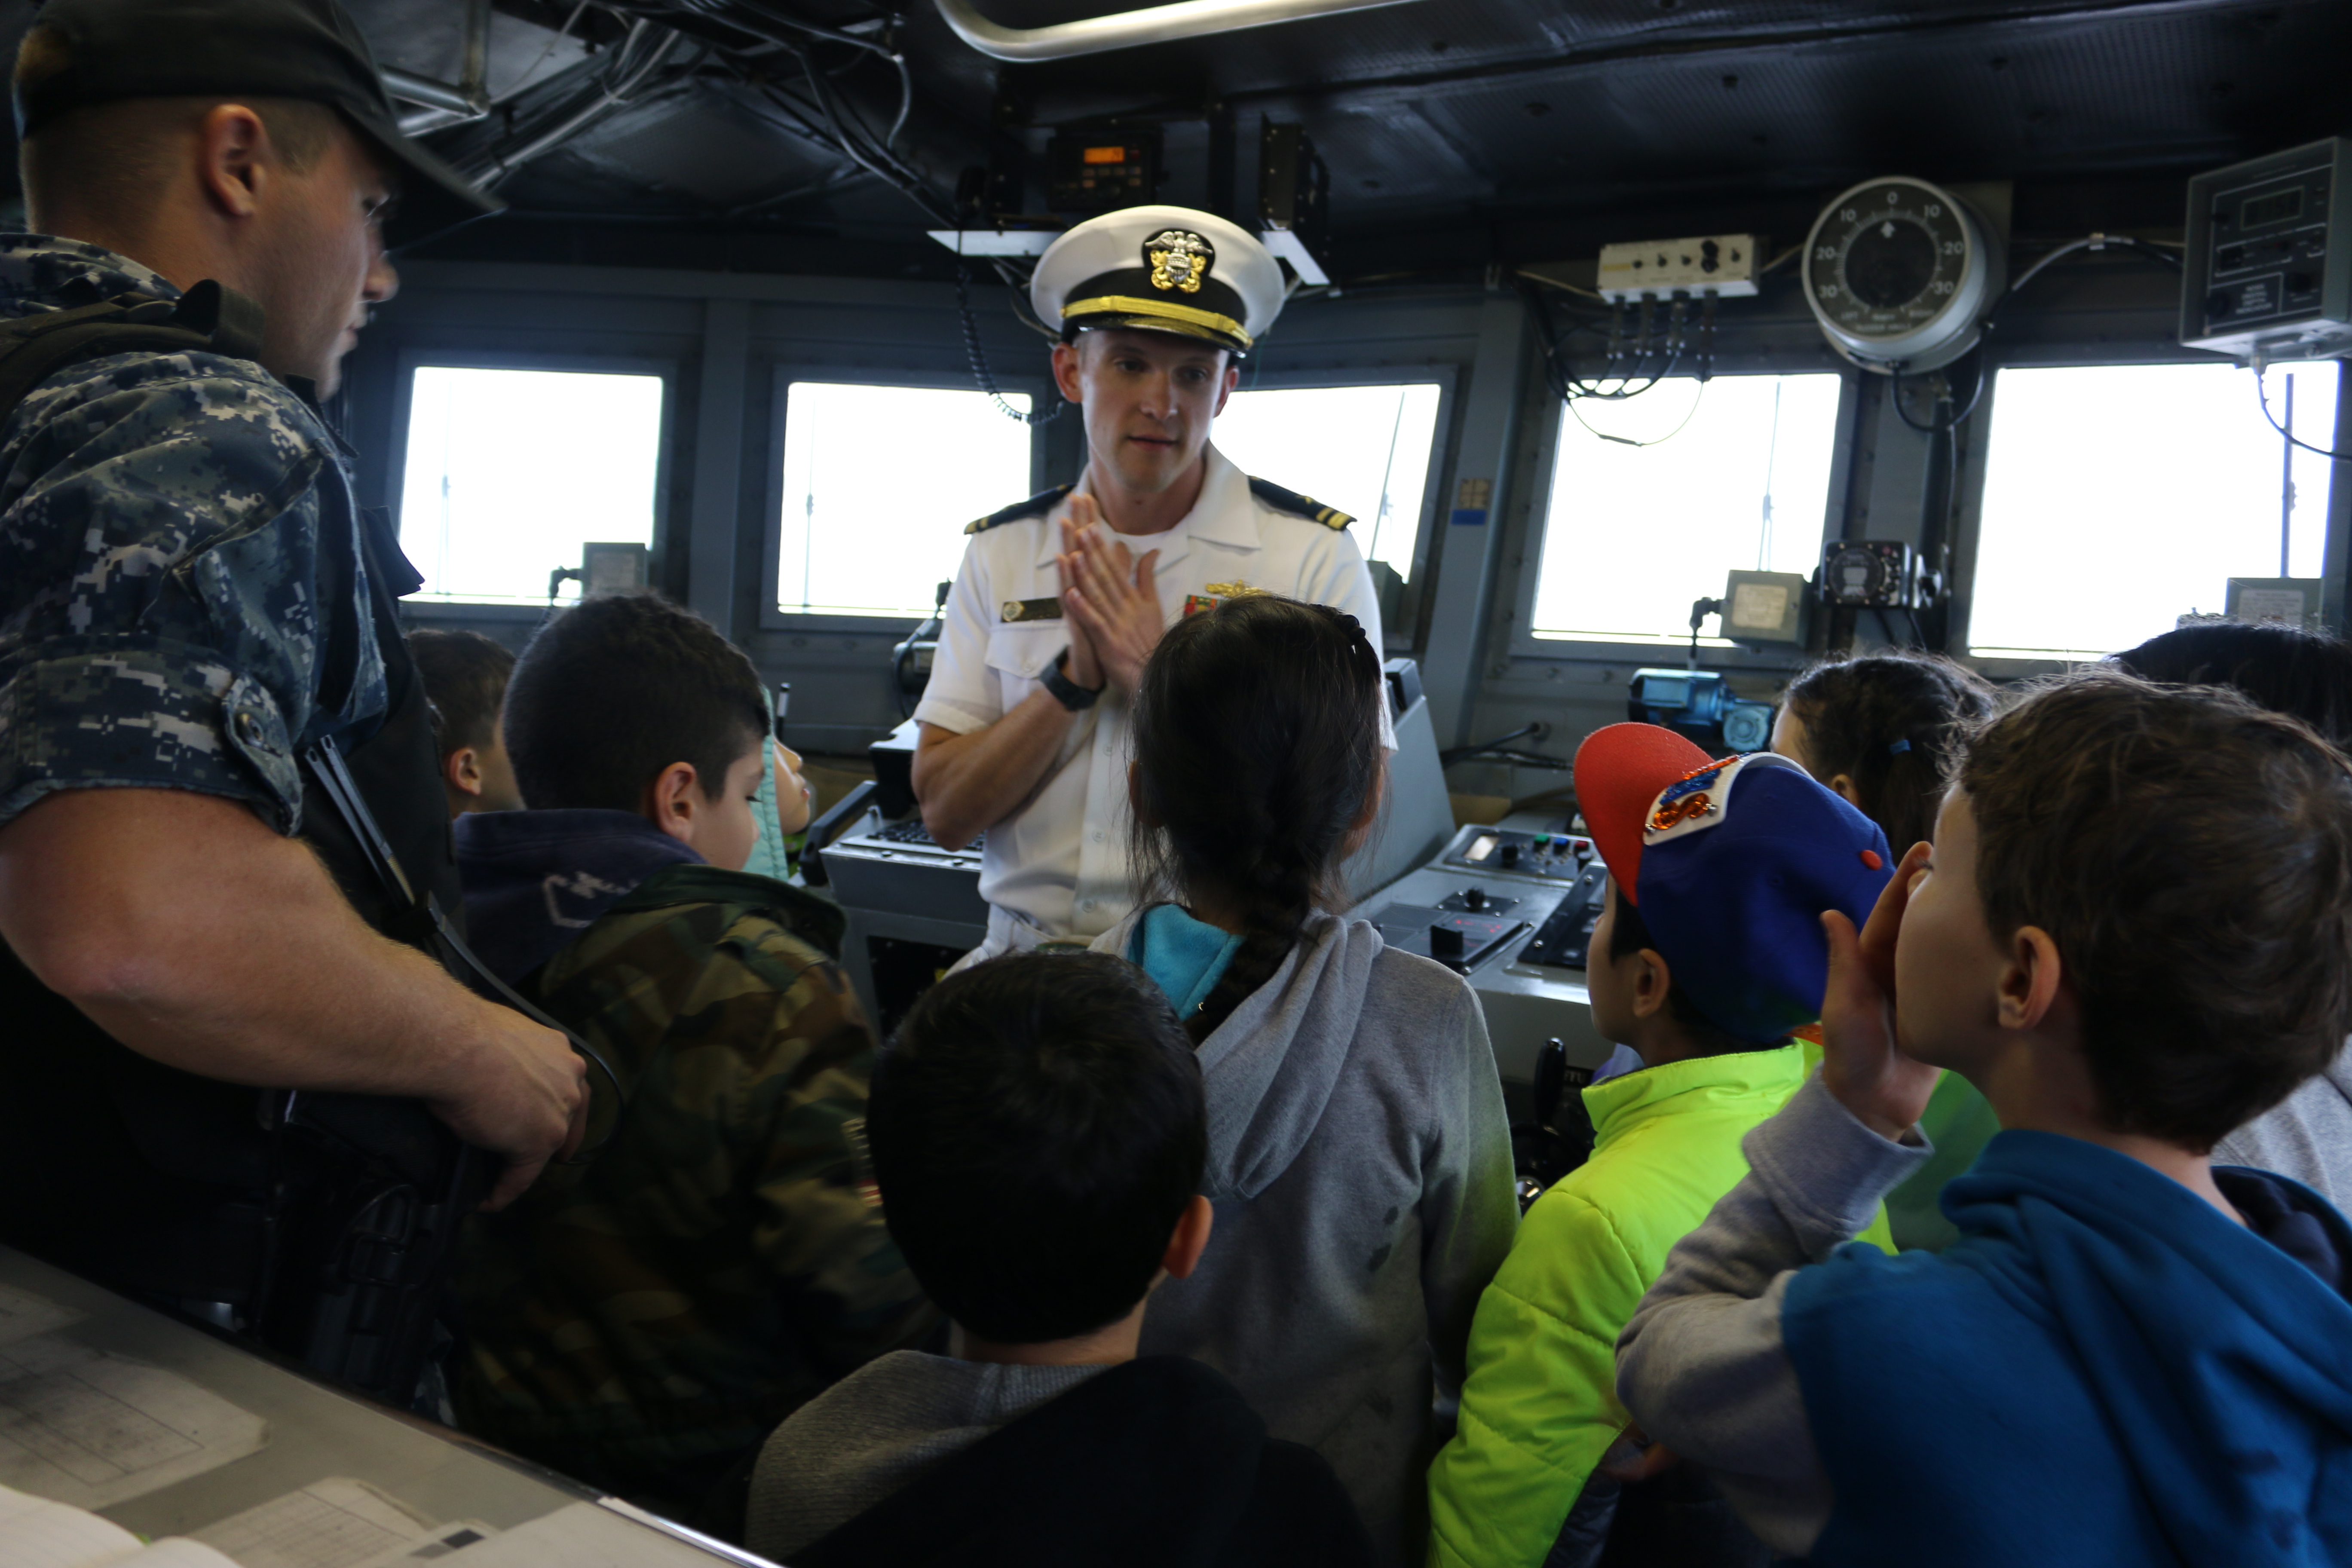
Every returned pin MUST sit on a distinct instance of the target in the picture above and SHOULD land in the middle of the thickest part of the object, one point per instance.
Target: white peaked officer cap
(1160, 269)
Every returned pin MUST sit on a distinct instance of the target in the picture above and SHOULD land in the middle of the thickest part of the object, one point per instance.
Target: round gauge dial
(1898, 273)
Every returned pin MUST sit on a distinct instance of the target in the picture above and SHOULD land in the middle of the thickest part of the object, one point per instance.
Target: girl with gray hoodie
(1359, 1155)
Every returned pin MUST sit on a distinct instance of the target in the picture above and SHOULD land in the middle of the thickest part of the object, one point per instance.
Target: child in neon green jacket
(1710, 953)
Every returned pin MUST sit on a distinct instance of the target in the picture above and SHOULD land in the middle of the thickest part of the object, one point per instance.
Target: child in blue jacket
(2134, 931)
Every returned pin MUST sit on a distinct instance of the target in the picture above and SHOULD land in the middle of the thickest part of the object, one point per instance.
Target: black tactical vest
(137, 1173)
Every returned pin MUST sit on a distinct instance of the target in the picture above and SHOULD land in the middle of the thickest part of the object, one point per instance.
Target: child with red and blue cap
(1709, 954)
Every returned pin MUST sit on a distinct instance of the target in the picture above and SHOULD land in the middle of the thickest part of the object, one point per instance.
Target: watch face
(1888, 259)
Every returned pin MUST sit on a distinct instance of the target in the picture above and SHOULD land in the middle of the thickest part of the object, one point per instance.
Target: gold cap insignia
(1179, 260)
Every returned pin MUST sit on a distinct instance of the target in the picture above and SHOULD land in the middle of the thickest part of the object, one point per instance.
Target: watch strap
(1068, 692)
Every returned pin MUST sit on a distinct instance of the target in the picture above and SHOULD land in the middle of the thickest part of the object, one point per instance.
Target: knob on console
(1509, 855)
(1473, 898)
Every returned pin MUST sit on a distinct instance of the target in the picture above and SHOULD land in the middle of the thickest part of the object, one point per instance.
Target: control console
(1551, 857)
(1511, 909)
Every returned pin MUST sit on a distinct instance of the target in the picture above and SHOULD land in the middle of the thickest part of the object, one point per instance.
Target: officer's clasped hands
(1110, 599)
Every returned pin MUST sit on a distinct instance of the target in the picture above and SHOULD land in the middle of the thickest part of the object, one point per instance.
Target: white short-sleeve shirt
(1060, 864)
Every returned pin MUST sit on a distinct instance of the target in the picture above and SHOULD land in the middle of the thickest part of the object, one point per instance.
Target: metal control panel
(1519, 852)
(2268, 269)
(1537, 888)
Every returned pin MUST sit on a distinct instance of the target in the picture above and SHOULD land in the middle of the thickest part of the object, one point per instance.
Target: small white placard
(2271, 605)
(1763, 606)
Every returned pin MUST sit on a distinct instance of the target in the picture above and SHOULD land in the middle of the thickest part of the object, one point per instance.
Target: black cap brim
(307, 50)
(433, 197)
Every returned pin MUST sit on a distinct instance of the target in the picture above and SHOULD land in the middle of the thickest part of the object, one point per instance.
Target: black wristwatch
(1068, 692)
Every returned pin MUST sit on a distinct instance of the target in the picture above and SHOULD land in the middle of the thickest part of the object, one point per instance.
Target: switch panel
(1720, 264)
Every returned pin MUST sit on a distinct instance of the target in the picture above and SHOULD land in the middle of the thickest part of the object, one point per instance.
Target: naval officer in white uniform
(1062, 598)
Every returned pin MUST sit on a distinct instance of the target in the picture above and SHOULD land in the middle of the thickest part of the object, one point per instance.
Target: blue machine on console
(1698, 703)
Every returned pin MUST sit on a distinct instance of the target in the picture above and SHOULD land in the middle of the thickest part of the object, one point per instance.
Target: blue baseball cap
(1731, 864)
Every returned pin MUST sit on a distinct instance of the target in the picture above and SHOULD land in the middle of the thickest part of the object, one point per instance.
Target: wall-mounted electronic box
(2268, 271)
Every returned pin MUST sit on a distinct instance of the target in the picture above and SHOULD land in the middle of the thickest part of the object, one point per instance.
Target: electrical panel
(2268, 270)
(1879, 574)
(614, 569)
(1720, 264)
(2295, 601)
(1767, 608)
(1101, 170)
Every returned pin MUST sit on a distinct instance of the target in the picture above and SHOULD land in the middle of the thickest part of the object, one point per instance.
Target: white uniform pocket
(1020, 655)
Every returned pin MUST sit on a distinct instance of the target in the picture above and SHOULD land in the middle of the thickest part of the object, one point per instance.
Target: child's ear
(1653, 979)
(1192, 1238)
(461, 770)
(671, 802)
(2030, 982)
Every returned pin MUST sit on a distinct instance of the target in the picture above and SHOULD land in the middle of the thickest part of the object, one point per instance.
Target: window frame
(413, 359)
(1544, 477)
(1446, 376)
(1968, 521)
(775, 617)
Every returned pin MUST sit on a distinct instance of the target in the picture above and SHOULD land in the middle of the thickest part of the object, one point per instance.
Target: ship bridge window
(508, 472)
(877, 485)
(1737, 478)
(1364, 450)
(2117, 497)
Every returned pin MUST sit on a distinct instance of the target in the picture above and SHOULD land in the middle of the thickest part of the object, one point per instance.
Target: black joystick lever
(1444, 941)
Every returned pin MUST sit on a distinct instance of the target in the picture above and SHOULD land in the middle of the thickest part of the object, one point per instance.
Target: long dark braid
(1894, 723)
(1256, 746)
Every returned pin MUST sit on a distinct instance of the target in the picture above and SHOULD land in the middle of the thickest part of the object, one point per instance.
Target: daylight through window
(1363, 450)
(510, 471)
(1739, 478)
(2119, 497)
(879, 483)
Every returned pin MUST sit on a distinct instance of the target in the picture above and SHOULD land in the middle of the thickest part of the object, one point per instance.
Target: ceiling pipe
(1130, 29)
(444, 104)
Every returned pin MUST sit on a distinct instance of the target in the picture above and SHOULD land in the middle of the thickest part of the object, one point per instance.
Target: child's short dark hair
(1629, 933)
(615, 689)
(1037, 1127)
(2192, 857)
(2284, 668)
(1894, 723)
(465, 675)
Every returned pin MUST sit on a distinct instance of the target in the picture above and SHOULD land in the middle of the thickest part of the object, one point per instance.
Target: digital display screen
(1480, 847)
(1119, 155)
(2275, 208)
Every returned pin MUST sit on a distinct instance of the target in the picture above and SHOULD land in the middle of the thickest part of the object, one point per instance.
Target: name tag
(1048, 609)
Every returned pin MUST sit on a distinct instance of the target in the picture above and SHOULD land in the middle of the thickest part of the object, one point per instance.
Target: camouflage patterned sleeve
(818, 1227)
(160, 583)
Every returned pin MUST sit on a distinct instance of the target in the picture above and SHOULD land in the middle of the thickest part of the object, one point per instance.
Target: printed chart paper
(334, 1523)
(84, 1427)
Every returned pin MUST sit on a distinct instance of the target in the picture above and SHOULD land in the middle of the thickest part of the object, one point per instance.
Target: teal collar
(1185, 957)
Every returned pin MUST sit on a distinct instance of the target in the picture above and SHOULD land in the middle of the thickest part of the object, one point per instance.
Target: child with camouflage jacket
(642, 1321)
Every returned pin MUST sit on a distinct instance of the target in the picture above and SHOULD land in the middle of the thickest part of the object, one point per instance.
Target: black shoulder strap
(1291, 501)
(207, 319)
(1037, 505)
(334, 777)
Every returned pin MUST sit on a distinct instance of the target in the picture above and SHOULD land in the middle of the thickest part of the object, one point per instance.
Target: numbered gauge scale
(1899, 274)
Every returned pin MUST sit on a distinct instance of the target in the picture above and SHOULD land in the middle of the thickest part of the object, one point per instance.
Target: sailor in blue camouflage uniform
(190, 599)
(1061, 597)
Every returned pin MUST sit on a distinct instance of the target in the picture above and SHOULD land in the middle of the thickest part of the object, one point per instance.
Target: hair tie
(1897, 749)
